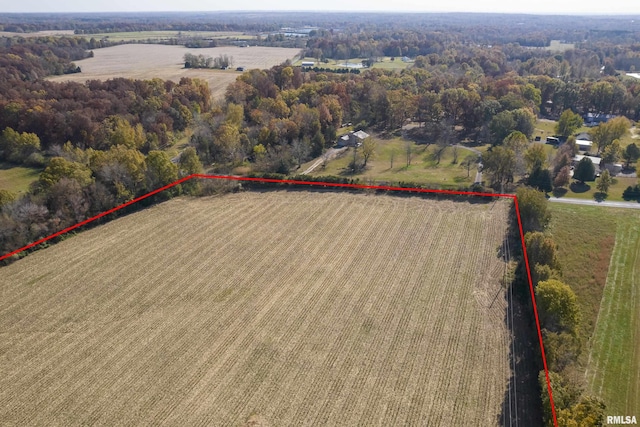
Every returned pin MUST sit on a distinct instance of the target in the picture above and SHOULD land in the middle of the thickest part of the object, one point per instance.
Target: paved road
(628, 205)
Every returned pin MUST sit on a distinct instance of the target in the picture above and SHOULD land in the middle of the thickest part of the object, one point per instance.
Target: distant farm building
(352, 139)
(308, 63)
(594, 119)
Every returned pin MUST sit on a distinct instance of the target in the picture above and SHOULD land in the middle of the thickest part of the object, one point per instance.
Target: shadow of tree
(600, 196)
(559, 192)
(579, 187)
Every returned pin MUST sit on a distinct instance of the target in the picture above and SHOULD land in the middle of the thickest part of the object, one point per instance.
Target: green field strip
(614, 364)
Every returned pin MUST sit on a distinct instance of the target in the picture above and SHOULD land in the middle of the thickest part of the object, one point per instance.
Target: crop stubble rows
(297, 308)
(147, 61)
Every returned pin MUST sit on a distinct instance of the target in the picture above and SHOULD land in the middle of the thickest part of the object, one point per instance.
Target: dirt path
(331, 154)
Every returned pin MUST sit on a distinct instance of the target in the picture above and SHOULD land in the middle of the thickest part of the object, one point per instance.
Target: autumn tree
(542, 252)
(535, 157)
(605, 133)
(500, 164)
(67, 202)
(160, 170)
(568, 123)
(300, 150)
(501, 125)
(563, 177)
(604, 182)
(122, 169)
(517, 142)
(17, 147)
(612, 153)
(189, 164)
(533, 209)
(117, 130)
(368, 150)
(565, 395)
(557, 306)
(60, 167)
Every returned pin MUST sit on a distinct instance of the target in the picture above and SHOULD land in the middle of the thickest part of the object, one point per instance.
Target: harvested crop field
(275, 308)
(147, 61)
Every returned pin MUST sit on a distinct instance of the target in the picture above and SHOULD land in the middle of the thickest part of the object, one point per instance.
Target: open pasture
(276, 308)
(147, 61)
(602, 266)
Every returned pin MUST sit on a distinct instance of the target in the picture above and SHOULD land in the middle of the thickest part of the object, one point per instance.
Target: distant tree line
(201, 61)
(333, 70)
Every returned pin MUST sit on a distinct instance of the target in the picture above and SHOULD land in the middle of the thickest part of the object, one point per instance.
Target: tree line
(98, 144)
(560, 318)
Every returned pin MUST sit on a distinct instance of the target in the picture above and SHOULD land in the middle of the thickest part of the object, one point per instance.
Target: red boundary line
(331, 184)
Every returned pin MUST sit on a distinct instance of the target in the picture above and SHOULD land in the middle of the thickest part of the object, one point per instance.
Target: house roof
(594, 160)
(361, 134)
(584, 142)
(584, 136)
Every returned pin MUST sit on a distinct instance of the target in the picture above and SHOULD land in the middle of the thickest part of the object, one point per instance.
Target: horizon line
(366, 12)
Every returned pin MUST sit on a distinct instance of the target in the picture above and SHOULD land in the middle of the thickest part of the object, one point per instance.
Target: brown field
(38, 33)
(146, 61)
(278, 308)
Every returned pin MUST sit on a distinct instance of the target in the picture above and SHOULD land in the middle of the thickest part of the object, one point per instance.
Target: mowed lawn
(424, 167)
(17, 178)
(271, 308)
(599, 250)
(614, 362)
(147, 61)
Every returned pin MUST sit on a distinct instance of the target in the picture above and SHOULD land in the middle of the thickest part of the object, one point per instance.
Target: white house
(584, 144)
(613, 168)
(352, 139)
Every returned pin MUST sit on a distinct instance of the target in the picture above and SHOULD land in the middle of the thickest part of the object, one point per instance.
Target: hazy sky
(512, 6)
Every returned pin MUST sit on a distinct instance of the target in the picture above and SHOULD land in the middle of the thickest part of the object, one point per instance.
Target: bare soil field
(146, 61)
(279, 308)
(38, 33)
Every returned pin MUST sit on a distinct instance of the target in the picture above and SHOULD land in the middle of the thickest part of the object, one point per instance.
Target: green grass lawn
(588, 190)
(17, 178)
(614, 362)
(424, 168)
(599, 249)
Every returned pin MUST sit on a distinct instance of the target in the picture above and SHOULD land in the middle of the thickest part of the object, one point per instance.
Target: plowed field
(147, 61)
(274, 308)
